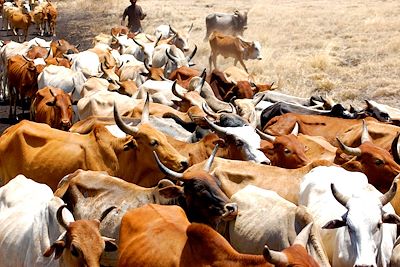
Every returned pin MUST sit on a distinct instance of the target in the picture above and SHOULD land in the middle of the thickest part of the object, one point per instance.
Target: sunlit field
(349, 50)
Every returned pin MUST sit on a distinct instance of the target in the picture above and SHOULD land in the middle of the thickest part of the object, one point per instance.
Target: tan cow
(230, 46)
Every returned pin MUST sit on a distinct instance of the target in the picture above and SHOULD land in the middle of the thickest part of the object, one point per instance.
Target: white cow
(354, 216)
(160, 92)
(87, 61)
(31, 219)
(267, 218)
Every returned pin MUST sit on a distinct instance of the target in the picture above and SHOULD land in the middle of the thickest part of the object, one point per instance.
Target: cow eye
(378, 162)
(287, 151)
(74, 251)
(239, 143)
(154, 143)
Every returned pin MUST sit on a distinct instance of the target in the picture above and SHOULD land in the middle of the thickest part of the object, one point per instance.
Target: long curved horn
(257, 100)
(60, 218)
(27, 59)
(215, 127)
(158, 40)
(172, 29)
(342, 199)
(175, 92)
(395, 148)
(171, 57)
(165, 170)
(201, 83)
(106, 212)
(355, 151)
(207, 166)
(302, 238)
(192, 54)
(146, 62)
(389, 195)
(139, 44)
(275, 257)
(131, 130)
(364, 134)
(295, 130)
(146, 109)
(266, 136)
(208, 111)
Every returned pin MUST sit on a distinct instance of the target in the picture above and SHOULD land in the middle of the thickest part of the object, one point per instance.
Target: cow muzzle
(231, 211)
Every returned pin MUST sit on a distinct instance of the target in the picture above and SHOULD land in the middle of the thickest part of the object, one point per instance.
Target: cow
(235, 47)
(51, 14)
(38, 52)
(357, 224)
(233, 24)
(52, 106)
(22, 74)
(60, 153)
(178, 39)
(183, 75)
(181, 243)
(61, 47)
(108, 191)
(20, 20)
(34, 221)
(266, 218)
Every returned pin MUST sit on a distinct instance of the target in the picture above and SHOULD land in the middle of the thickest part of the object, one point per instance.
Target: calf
(52, 106)
(230, 46)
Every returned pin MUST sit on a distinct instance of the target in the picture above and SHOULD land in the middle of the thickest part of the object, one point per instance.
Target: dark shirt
(135, 14)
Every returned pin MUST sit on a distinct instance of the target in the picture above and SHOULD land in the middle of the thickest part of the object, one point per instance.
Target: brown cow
(60, 47)
(52, 106)
(22, 77)
(51, 13)
(183, 75)
(38, 52)
(156, 235)
(230, 46)
(20, 20)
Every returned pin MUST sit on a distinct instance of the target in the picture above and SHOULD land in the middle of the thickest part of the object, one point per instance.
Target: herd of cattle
(132, 157)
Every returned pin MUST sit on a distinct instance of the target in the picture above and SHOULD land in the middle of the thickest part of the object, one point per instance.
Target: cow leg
(242, 63)
(213, 60)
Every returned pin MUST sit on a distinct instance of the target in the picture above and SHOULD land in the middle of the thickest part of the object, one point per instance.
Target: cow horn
(215, 127)
(131, 130)
(364, 134)
(302, 238)
(27, 59)
(145, 111)
(266, 136)
(295, 130)
(207, 166)
(52, 93)
(59, 42)
(102, 67)
(389, 195)
(60, 218)
(172, 29)
(106, 212)
(77, 46)
(201, 83)
(193, 53)
(146, 62)
(136, 42)
(395, 148)
(166, 170)
(275, 257)
(158, 40)
(171, 57)
(257, 99)
(355, 151)
(342, 199)
(208, 111)
(175, 92)
(148, 38)
(48, 54)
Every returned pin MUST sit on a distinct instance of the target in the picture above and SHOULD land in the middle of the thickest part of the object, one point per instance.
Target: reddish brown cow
(54, 107)
(58, 62)
(38, 52)
(19, 20)
(155, 235)
(183, 75)
(22, 79)
(60, 47)
(219, 84)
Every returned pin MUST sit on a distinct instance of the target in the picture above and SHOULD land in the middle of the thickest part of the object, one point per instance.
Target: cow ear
(391, 218)
(221, 142)
(334, 224)
(110, 244)
(57, 248)
(171, 192)
(131, 144)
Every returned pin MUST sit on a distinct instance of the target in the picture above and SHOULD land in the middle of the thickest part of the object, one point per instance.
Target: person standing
(135, 14)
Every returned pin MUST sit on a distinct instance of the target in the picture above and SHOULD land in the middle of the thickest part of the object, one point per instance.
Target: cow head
(62, 104)
(147, 139)
(295, 255)
(286, 151)
(181, 40)
(205, 201)
(81, 244)
(61, 47)
(375, 162)
(178, 59)
(239, 20)
(252, 50)
(246, 140)
(156, 74)
(363, 220)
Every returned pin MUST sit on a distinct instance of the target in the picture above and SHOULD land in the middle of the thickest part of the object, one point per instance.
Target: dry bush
(348, 49)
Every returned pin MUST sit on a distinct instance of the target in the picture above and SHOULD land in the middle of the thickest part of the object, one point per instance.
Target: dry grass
(347, 49)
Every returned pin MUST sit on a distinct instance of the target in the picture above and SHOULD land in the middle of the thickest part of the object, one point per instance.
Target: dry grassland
(349, 50)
